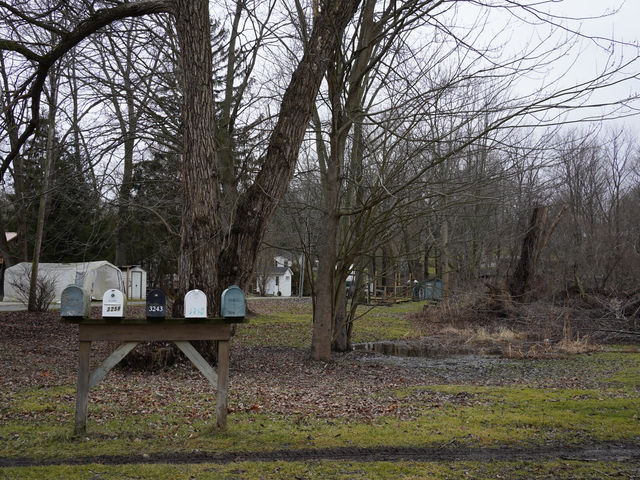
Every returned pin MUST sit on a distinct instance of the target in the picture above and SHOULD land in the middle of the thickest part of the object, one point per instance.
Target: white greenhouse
(94, 277)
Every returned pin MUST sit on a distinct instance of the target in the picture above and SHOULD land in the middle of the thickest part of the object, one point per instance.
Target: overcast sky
(599, 21)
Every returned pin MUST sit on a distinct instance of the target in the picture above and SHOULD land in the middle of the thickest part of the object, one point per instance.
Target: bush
(45, 289)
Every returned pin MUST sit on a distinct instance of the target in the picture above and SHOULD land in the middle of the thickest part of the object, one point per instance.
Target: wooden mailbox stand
(131, 331)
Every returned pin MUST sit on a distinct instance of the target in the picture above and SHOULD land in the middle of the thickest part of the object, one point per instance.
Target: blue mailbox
(233, 304)
(75, 302)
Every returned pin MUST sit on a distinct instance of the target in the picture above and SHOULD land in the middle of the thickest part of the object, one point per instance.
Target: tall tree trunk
(332, 283)
(44, 199)
(444, 256)
(324, 313)
(128, 128)
(200, 232)
(256, 206)
(22, 253)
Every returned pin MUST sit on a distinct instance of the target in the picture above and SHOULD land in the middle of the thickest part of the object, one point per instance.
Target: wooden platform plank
(153, 332)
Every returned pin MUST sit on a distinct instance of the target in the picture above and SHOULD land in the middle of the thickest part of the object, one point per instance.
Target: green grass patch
(293, 327)
(332, 469)
(386, 322)
(464, 414)
(276, 330)
(526, 416)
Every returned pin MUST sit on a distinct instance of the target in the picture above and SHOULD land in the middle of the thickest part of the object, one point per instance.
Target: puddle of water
(400, 348)
(457, 363)
(397, 349)
(450, 366)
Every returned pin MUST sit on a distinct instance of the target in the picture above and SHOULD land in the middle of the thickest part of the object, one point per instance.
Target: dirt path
(611, 452)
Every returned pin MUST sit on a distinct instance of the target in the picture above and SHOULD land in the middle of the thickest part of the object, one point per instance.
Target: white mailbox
(113, 303)
(195, 304)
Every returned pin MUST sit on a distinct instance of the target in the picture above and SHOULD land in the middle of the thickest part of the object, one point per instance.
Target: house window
(287, 277)
(277, 281)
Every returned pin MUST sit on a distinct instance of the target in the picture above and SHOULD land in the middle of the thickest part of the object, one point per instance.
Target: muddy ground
(610, 452)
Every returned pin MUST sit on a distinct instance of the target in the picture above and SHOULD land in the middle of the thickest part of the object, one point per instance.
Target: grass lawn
(284, 407)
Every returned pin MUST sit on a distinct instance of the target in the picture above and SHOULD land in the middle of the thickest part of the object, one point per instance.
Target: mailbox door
(156, 304)
(233, 303)
(74, 302)
(195, 304)
(113, 304)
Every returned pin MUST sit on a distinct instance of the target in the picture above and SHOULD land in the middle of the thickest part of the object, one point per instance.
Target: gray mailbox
(233, 304)
(75, 302)
(156, 304)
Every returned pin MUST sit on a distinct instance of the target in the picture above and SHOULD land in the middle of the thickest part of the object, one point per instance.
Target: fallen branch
(621, 332)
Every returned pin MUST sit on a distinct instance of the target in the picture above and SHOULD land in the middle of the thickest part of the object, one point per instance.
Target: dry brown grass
(474, 319)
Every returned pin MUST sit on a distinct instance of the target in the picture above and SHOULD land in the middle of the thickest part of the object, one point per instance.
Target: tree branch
(84, 29)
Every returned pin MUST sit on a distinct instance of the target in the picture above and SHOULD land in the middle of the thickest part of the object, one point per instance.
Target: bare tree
(211, 258)
(462, 107)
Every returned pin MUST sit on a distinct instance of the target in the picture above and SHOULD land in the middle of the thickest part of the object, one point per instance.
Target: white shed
(277, 281)
(94, 277)
(135, 278)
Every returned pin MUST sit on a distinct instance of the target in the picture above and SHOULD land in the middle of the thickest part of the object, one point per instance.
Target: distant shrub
(45, 289)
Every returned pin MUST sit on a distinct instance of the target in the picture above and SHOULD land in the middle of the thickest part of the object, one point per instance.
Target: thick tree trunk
(256, 206)
(520, 285)
(341, 328)
(200, 231)
(324, 312)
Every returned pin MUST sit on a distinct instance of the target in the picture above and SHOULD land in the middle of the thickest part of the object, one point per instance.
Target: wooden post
(82, 395)
(223, 384)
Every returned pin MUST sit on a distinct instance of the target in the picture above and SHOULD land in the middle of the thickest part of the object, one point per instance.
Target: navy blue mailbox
(75, 302)
(156, 304)
(233, 304)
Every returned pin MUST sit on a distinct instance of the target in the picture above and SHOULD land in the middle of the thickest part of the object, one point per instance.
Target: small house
(277, 279)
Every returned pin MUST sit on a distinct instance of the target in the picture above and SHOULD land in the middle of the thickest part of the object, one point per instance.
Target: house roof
(278, 271)
(284, 254)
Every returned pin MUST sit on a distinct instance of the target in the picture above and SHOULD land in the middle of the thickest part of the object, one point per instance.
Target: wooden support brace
(200, 363)
(110, 362)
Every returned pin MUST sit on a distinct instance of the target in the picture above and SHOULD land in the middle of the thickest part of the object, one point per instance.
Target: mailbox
(156, 304)
(75, 302)
(233, 304)
(195, 304)
(113, 303)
